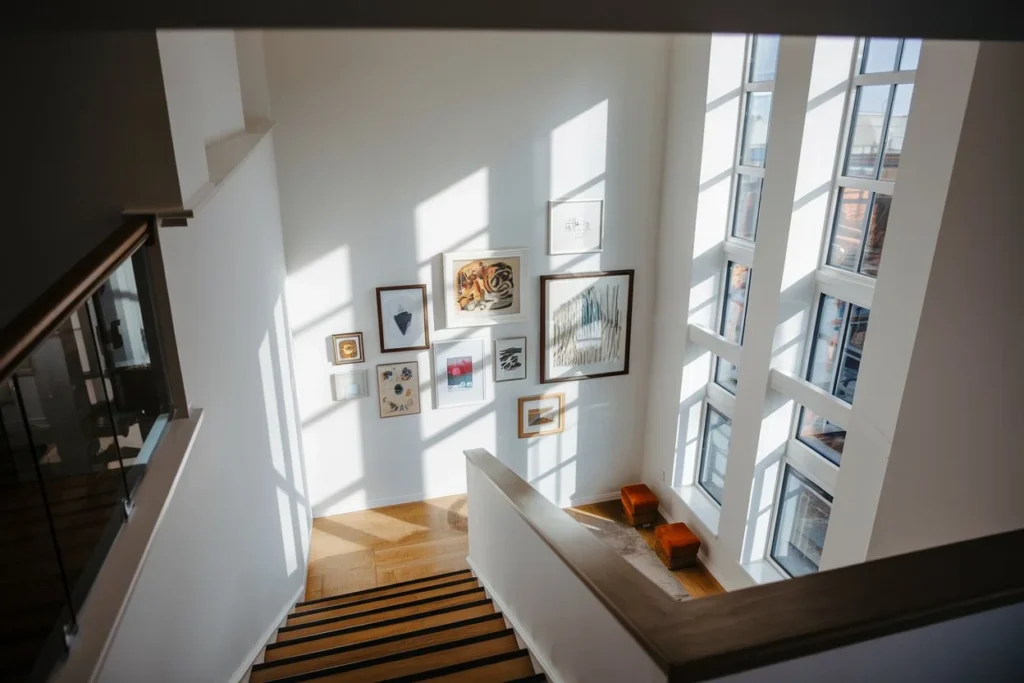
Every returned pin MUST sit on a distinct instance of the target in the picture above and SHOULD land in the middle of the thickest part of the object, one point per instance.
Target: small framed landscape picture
(402, 318)
(348, 348)
(484, 287)
(509, 359)
(458, 372)
(398, 386)
(349, 385)
(576, 226)
(585, 325)
(541, 415)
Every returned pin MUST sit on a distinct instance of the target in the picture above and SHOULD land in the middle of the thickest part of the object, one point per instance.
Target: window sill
(703, 509)
(763, 572)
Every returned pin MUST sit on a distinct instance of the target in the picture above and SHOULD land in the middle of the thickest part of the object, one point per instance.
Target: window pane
(726, 375)
(880, 55)
(735, 307)
(911, 54)
(868, 124)
(821, 435)
(876, 235)
(717, 430)
(848, 228)
(801, 524)
(853, 347)
(825, 350)
(897, 131)
(755, 128)
(765, 56)
(748, 199)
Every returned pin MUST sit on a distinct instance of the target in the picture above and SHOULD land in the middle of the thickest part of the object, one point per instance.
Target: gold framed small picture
(348, 348)
(541, 415)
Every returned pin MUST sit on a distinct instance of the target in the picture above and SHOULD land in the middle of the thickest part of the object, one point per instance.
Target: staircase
(439, 628)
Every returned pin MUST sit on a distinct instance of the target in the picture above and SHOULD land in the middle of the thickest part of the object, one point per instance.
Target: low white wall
(566, 627)
(394, 147)
(230, 551)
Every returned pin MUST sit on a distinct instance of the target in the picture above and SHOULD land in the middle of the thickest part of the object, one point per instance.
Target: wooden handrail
(724, 634)
(28, 329)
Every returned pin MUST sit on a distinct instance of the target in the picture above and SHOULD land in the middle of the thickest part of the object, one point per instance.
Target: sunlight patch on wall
(319, 295)
(578, 154)
(303, 520)
(684, 467)
(762, 500)
(269, 386)
(454, 219)
(285, 372)
(774, 431)
(787, 348)
(291, 560)
(702, 299)
(695, 376)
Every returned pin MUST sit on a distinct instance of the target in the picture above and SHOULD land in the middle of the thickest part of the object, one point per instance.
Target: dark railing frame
(715, 636)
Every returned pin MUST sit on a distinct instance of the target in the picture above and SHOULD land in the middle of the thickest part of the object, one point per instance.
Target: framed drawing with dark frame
(541, 415)
(402, 318)
(484, 287)
(458, 373)
(585, 325)
(509, 359)
(575, 226)
(398, 388)
(348, 348)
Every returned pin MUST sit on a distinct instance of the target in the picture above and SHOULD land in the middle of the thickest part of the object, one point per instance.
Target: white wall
(230, 552)
(956, 469)
(395, 147)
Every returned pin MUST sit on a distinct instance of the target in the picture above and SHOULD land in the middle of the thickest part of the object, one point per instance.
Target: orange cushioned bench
(640, 504)
(676, 545)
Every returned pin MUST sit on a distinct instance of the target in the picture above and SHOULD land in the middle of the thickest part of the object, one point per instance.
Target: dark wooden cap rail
(702, 639)
(19, 338)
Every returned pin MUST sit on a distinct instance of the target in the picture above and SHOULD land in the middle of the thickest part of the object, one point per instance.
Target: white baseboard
(241, 675)
(379, 503)
(521, 632)
(589, 500)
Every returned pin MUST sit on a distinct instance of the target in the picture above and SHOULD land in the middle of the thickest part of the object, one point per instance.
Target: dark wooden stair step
(380, 590)
(412, 640)
(380, 614)
(378, 602)
(416, 662)
(496, 668)
(377, 630)
(535, 678)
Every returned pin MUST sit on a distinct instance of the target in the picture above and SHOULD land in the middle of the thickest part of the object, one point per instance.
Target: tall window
(733, 317)
(800, 524)
(882, 91)
(714, 452)
(759, 83)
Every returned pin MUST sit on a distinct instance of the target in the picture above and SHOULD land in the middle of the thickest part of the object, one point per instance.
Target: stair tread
(416, 662)
(532, 678)
(377, 630)
(412, 640)
(365, 592)
(381, 601)
(379, 614)
(507, 666)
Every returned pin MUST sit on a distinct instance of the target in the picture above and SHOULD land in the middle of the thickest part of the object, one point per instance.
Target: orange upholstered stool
(676, 545)
(640, 504)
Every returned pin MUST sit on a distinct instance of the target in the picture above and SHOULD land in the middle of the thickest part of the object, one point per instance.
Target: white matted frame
(349, 385)
(459, 373)
(510, 359)
(575, 226)
(485, 287)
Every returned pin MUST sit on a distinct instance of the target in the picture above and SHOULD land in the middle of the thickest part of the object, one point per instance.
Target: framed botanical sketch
(458, 372)
(348, 348)
(541, 415)
(585, 321)
(509, 359)
(402, 318)
(575, 226)
(398, 386)
(349, 385)
(484, 287)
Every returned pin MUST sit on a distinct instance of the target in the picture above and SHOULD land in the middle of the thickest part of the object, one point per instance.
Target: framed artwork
(398, 386)
(348, 348)
(585, 321)
(402, 318)
(349, 385)
(484, 287)
(458, 372)
(541, 415)
(575, 226)
(509, 359)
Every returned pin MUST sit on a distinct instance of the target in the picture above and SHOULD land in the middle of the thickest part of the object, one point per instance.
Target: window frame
(706, 411)
(730, 260)
(722, 402)
(785, 465)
